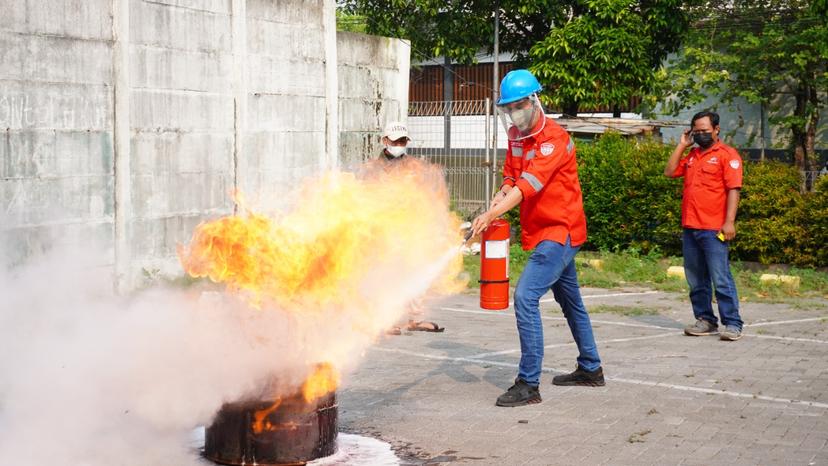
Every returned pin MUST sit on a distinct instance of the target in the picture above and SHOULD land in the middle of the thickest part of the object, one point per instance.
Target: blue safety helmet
(517, 85)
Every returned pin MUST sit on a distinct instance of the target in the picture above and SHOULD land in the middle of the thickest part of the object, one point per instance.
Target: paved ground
(669, 399)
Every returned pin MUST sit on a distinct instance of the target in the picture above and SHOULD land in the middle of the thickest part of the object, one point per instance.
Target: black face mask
(704, 140)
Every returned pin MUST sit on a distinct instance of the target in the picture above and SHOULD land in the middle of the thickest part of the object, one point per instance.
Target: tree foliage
(773, 53)
(607, 52)
(585, 52)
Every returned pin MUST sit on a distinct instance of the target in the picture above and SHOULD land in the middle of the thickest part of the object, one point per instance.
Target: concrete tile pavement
(669, 399)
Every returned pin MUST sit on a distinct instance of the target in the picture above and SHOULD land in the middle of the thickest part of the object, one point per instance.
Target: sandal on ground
(424, 326)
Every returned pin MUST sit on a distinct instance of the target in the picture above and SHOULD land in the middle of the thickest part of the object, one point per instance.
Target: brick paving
(669, 399)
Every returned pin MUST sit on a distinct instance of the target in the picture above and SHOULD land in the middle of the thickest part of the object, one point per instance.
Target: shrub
(631, 206)
(767, 224)
(628, 201)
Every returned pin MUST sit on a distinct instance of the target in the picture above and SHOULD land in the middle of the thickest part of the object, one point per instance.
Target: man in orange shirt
(540, 174)
(712, 179)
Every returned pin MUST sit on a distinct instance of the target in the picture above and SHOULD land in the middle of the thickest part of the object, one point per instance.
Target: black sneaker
(581, 377)
(519, 394)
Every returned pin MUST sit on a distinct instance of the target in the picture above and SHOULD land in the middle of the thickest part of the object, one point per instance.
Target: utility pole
(495, 93)
(448, 98)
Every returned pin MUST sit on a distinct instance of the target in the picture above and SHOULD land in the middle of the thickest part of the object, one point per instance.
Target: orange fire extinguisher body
(494, 266)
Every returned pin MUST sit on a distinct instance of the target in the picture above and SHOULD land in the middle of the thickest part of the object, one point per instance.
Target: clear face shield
(523, 115)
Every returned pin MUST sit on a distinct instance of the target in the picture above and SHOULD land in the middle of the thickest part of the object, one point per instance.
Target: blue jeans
(706, 261)
(551, 265)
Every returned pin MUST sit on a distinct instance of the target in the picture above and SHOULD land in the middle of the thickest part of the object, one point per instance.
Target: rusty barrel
(286, 431)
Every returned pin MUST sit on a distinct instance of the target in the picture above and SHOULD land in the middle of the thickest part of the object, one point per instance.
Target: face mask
(704, 140)
(395, 151)
(523, 118)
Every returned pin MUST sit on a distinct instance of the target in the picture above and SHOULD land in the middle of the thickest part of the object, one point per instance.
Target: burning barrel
(285, 431)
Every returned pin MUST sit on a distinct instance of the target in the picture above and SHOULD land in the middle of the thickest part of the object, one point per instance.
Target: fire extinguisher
(494, 266)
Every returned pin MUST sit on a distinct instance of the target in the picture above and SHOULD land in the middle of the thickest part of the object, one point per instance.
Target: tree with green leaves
(607, 52)
(769, 52)
(584, 52)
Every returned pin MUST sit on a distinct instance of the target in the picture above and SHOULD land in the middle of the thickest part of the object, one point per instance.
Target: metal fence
(458, 137)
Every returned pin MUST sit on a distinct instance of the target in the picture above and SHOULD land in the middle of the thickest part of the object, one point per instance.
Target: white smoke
(90, 378)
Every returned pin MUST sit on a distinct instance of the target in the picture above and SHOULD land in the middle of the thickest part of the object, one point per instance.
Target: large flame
(319, 254)
(346, 259)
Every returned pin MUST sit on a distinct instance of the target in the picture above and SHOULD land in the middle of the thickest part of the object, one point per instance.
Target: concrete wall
(205, 97)
(56, 110)
(373, 90)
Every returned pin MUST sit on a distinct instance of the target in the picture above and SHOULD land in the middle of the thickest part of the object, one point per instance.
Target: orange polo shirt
(543, 167)
(708, 176)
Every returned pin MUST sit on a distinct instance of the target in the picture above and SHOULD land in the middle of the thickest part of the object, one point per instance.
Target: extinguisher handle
(468, 236)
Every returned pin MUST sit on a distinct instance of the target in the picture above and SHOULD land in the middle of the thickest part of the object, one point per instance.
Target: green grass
(631, 269)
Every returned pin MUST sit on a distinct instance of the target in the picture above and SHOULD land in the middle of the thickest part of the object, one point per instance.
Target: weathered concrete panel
(165, 110)
(306, 12)
(58, 106)
(180, 194)
(285, 113)
(357, 146)
(361, 114)
(177, 152)
(362, 49)
(372, 89)
(280, 76)
(215, 6)
(86, 19)
(161, 68)
(368, 82)
(159, 237)
(54, 59)
(44, 154)
(35, 201)
(14, 15)
(285, 41)
(281, 150)
(178, 28)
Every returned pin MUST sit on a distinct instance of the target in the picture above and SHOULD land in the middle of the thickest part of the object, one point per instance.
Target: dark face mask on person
(704, 140)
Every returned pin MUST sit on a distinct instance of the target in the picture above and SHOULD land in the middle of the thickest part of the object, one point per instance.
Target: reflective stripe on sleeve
(536, 184)
(517, 151)
(571, 146)
(530, 155)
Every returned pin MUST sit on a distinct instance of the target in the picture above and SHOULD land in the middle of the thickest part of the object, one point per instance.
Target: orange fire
(342, 264)
(319, 254)
(323, 381)
(260, 420)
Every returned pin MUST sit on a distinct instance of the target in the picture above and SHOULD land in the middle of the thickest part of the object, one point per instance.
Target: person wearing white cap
(395, 140)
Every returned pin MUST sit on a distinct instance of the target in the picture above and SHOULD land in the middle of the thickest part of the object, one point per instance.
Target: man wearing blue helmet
(541, 175)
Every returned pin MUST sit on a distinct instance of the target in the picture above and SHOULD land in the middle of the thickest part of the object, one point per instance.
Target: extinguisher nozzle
(468, 236)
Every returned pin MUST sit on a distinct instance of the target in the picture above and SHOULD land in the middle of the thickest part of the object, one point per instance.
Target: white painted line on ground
(626, 324)
(561, 345)
(774, 337)
(782, 322)
(647, 383)
(608, 295)
(595, 321)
